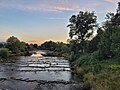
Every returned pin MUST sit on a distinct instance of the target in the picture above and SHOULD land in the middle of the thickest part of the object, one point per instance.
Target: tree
(35, 46)
(105, 40)
(23, 47)
(62, 48)
(13, 39)
(4, 52)
(116, 19)
(74, 45)
(115, 46)
(82, 27)
(48, 45)
(110, 35)
(14, 44)
(93, 44)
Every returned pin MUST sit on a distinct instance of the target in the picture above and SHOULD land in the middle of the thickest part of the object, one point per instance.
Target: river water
(37, 73)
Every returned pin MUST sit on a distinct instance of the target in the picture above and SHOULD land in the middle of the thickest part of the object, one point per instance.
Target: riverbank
(5, 54)
(98, 75)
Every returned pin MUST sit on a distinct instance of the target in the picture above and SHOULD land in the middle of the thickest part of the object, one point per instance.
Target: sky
(37, 21)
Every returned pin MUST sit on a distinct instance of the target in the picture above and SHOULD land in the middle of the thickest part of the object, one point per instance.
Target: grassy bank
(98, 74)
(5, 54)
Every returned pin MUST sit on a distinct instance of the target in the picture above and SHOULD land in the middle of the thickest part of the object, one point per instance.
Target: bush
(83, 60)
(4, 53)
(107, 81)
(88, 81)
(98, 74)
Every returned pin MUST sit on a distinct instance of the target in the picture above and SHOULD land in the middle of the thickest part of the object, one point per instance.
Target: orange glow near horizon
(40, 41)
(31, 38)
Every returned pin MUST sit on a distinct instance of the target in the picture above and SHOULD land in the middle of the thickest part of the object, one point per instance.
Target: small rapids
(37, 73)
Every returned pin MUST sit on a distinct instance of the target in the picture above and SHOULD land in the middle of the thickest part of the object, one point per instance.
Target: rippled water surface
(37, 73)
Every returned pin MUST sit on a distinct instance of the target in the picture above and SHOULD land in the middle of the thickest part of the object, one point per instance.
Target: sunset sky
(35, 21)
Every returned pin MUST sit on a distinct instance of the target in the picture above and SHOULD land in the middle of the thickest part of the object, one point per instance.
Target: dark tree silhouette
(82, 27)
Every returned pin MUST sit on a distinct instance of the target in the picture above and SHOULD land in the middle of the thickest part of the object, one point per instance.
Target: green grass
(99, 74)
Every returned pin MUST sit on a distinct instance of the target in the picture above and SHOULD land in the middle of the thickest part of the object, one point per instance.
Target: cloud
(39, 5)
(112, 1)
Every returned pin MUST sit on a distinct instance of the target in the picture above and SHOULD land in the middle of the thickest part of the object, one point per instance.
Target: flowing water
(37, 73)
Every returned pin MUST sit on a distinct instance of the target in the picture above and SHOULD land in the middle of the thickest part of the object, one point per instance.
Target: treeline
(15, 47)
(59, 49)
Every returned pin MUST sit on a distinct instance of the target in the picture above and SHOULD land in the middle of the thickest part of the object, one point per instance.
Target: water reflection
(36, 54)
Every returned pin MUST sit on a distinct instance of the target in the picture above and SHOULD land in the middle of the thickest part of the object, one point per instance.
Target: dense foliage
(82, 27)
(48, 45)
(4, 52)
(56, 49)
(97, 60)
(14, 47)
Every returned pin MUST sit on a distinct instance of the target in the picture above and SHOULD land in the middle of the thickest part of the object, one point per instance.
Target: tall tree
(115, 46)
(93, 44)
(82, 27)
(108, 40)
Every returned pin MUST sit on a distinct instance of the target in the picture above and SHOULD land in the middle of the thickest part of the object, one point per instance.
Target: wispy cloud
(112, 1)
(38, 6)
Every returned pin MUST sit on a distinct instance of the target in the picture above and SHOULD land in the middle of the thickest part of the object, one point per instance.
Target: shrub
(83, 60)
(4, 52)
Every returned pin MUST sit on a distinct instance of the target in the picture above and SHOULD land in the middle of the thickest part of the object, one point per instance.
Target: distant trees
(62, 49)
(4, 52)
(35, 46)
(57, 48)
(13, 40)
(32, 47)
(48, 45)
(13, 46)
(17, 47)
(54, 46)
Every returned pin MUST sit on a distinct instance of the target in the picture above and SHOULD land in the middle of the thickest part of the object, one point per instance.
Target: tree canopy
(82, 27)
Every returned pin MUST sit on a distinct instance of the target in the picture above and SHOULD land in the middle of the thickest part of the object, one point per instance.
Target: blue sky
(35, 21)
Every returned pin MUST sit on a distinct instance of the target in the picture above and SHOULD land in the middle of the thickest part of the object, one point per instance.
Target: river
(37, 72)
